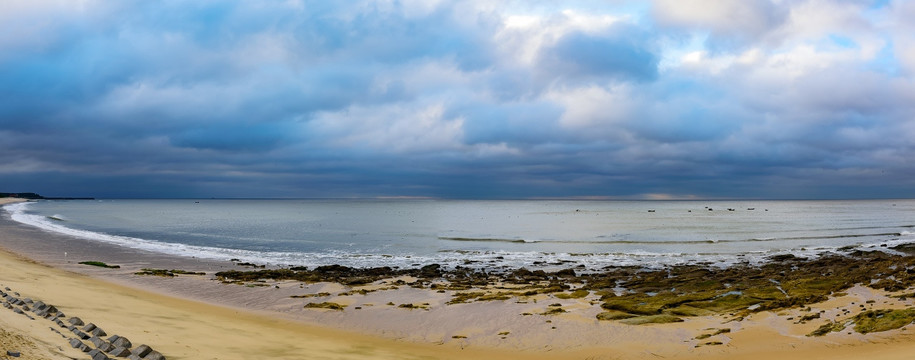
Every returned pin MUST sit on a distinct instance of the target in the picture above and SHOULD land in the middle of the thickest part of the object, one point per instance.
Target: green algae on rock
(883, 320)
(577, 294)
(320, 294)
(166, 273)
(614, 315)
(325, 305)
(870, 321)
(100, 264)
(553, 311)
(651, 319)
(642, 295)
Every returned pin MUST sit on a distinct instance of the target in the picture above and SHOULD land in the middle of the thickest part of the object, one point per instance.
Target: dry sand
(193, 317)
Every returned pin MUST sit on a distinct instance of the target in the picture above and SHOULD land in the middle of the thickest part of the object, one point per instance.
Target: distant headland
(34, 196)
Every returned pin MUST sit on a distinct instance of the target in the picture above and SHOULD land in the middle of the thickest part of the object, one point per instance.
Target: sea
(489, 235)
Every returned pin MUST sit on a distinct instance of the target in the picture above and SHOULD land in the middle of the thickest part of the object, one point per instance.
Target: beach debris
(100, 264)
(710, 343)
(13, 353)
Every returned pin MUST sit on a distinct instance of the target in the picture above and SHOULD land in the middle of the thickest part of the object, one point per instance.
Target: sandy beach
(196, 317)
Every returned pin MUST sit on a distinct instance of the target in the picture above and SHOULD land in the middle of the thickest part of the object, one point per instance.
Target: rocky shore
(639, 296)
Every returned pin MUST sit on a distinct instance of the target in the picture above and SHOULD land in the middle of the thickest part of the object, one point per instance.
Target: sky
(477, 99)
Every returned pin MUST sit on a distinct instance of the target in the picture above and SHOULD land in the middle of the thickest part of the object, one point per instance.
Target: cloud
(728, 23)
(458, 99)
(624, 54)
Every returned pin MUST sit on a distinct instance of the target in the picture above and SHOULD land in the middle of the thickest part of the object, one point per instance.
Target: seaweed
(577, 294)
(652, 319)
(828, 328)
(325, 305)
(883, 320)
(166, 273)
(100, 264)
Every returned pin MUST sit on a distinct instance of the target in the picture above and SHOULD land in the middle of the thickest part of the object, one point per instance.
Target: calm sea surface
(488, 234)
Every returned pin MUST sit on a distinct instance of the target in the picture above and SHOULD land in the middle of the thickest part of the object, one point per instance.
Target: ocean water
(483, 234)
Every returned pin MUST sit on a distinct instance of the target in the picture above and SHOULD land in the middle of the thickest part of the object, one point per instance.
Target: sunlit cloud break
(675, 99)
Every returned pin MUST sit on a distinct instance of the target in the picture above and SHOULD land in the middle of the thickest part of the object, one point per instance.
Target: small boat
(751, 209)
(650, 210)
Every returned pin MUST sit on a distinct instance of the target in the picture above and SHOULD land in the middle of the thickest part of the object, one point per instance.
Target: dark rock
(153, 355)
(566, 273)
(97, 354)
(141, 351)
(326, 269)
(13, 353)
(120, 342)
(905, 248)
(95, 340)
(76, 321)
(106, 347)
(89, 327)
(79, 345)
(431, 270)
(27, 300)
(98, 332)
(120, 351)
(784, 257)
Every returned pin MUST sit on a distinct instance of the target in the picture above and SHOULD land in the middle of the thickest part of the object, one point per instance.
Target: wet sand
(196, 317)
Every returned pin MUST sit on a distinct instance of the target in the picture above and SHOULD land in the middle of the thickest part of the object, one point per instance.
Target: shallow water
(479, 233)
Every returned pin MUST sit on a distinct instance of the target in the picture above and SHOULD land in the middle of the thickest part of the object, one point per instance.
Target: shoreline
(443, 331)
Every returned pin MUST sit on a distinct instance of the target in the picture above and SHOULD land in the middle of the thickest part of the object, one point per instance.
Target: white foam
(449, 259)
